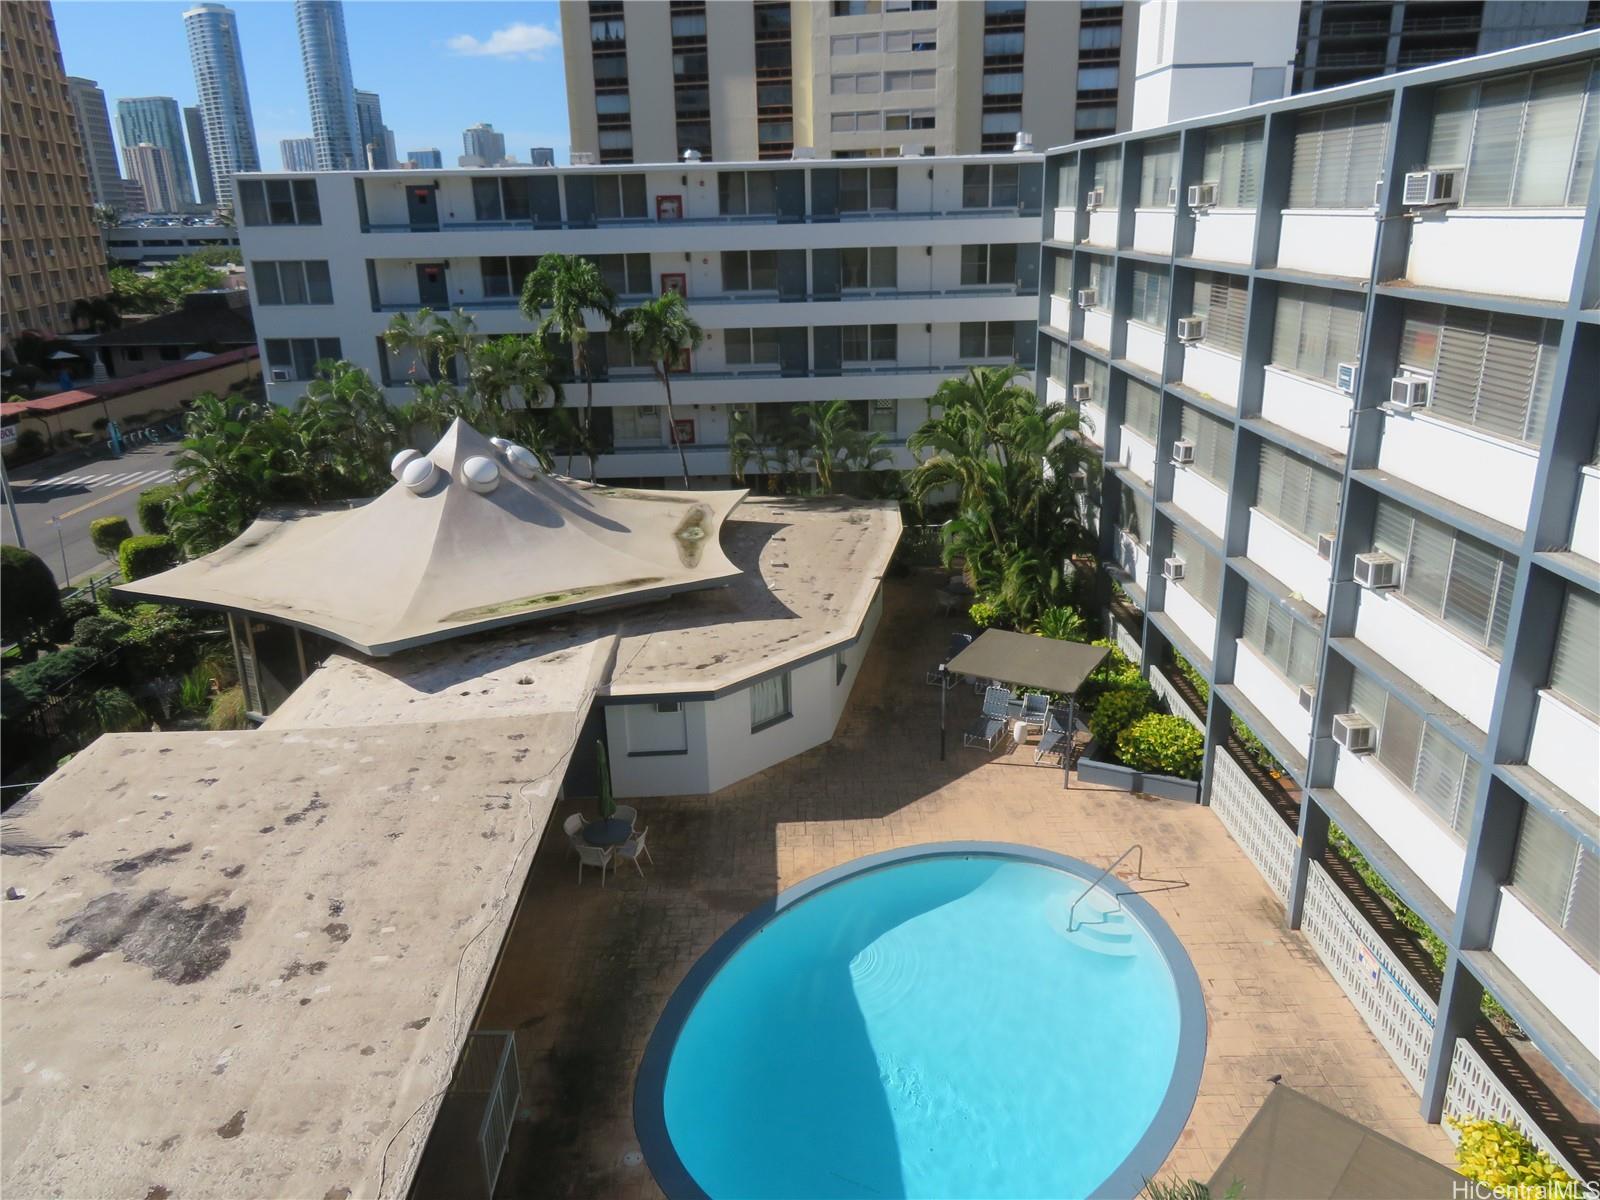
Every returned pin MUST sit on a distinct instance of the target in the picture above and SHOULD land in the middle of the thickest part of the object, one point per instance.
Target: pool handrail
(1138, 871)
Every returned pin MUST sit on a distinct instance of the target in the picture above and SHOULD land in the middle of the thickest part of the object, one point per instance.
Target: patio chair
(592, 856)
(1035, 708)
(633, 848)
(626, 812)
(1054, 740)
(997, 703)
(574, 824)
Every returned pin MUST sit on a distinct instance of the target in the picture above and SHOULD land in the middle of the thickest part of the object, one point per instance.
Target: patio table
(611, 832)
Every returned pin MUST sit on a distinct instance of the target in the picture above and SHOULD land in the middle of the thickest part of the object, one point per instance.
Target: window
(1220, 299)
(769, 702)
(856, 122)
(750, 270)
(299, 356)
(1099, 37)
(1000, 122)
(1315, 330)
(1002, 45)
(989, 186)
(609, 29)
(908, 41)
(1233, 163)
(1100, 277)
(619, 197)
(1202, 570)
(869, 343)
(1097, 79)
(1141, 403)
(279, 202)
(610, 104)
(866, 84)
(636, 423)
(292, 283)
(620, 353)
(1425, 762)
(1098, 376)
(909, 81)
(1526, 140)
(883, 416)
(867, 189)
(625, 274)
(985, 265)
(863, 267)
(1279, 639)
(1338, 156)
(1213, 445)
(1559, 878)
(1135, 519)
(908, 118)
(1300, 496)
(1060, 363)
(689, 25)
(1573, 676)
(1158, 171)
(1151, 289)
(1002, 83)
(1067, 186)
(505, 276)
(1493, 371)
(854, 43)
(751, 347)
(616, 141)
(1061, 275)
(1449, 575)
(1104, 173)
(988, 339)
(747, 193)
(855, 8)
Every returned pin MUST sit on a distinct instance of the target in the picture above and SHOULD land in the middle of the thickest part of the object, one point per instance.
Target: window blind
(1100, 276)
(1450, 576)
(1158, 171)
(1421, 758)
(1103, 173)
(1098, 376)
(1220, 299)
(1067, 187)
(769, 701)
(1149, 303)
(1314, 330)
(1575, 670)
(1058, 363)
(1338, 156)
(1233, 163)
(1139, 409)
(1279, 639)
(1301, 496)
(1135, 519)
(1061, 275)
(1493, 371)
(1213, 445)
(1202, 573)
(1559, 879)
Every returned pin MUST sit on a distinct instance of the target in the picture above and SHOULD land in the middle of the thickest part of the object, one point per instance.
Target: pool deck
(586, 971)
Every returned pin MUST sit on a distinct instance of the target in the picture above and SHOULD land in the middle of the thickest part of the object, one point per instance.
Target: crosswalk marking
(63, 482)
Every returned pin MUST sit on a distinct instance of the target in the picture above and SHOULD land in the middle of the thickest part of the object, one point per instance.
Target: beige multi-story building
(737, 80)
(49, 246)
(152, 166)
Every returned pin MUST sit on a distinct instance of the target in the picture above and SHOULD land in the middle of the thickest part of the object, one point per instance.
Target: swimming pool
(923, 1024)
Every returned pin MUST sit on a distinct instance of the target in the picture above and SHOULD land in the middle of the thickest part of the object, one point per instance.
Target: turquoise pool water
(929, 1029)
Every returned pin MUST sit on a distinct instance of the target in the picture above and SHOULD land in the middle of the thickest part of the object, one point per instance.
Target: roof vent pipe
(691, 155)
(400, 461)
(480, 474)
(522, 460)
(419, 474)
(1024, 143)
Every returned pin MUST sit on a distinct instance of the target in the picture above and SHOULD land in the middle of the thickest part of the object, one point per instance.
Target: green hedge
(108, 533)
(146, 555)
(1118, 708)
(98, 631)
(29, 600)
(1162, 744)
(51, 673)
(152, 507)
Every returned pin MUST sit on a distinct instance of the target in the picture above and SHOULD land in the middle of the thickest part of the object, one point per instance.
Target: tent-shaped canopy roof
(1028, 661)
(483, 539)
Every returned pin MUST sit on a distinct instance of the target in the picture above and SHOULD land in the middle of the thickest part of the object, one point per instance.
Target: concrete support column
(1313, 841)
(1460, 1001)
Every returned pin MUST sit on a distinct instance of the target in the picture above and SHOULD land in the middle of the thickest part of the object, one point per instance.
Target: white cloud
(515, 41)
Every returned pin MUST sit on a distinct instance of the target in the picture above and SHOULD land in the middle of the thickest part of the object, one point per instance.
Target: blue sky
(439, 66)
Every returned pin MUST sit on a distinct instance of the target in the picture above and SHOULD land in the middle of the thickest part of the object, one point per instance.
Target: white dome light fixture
(499, 443)
(480, 474)
(419, 474)
(521, 460)
(400, 461)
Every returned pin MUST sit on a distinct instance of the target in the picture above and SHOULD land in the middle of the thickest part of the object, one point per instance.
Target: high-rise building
(100, 150)
(213, 33)
(542, 156)
(133, 197)
(155, 170)
(1206, 56)
(481, 141)
(335, 127)
(298, 154)
(430, 157)
(375, 138)
(1341, 41)
(157, 120)
(50, 249)
(204, 185)
(842, 78)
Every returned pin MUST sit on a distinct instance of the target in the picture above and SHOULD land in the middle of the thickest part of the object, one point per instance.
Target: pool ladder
(1138, 871)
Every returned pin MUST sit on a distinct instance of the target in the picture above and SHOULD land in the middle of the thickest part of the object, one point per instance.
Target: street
(56, 508)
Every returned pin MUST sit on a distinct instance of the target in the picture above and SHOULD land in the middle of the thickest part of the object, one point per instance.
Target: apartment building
(650, 82)
(335, 126)
(153, 170)
(297, 154)
(50, 252)
(94, 131)
(157, 120)
(204, 184)
(872, 282)
(1341, 353)
(230, 135)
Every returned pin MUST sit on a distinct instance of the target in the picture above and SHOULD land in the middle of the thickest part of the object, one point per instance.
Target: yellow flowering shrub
(1502, 1156)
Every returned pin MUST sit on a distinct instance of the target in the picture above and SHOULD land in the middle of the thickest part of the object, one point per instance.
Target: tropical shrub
(1501, 1156)
(1162, 744)
(29, 600)
(152, 507)
(1115, 670)
(227, 710)
(108, 533)
(115, 711)
(985, 613)
(30, 443)
(194, 689)
(1062, 623)
(98, 632)
(51, 674)
(146, 555)
(1118, 708)
(74, 608)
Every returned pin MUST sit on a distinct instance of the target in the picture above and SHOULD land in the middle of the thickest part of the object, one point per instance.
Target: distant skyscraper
(481, 141)
(156, 119)
(542, 156)
(373, 146)
(335, 126)
(152, 166)
(298, 154)
(94, 128)
(205, 187)
(429, 159)
(224, 98)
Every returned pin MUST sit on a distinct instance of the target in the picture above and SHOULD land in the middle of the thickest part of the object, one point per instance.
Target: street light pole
(11, 505)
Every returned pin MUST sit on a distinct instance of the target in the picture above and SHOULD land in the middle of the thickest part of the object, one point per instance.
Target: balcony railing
(721, 219)
(752, 297)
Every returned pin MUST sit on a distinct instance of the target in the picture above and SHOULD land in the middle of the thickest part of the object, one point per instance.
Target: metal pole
(943, 680)
(11, 505)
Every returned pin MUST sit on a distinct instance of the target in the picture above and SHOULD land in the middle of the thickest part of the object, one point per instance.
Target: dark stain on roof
(179, 944)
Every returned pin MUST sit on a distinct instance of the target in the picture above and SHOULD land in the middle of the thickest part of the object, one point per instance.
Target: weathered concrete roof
(246, 963)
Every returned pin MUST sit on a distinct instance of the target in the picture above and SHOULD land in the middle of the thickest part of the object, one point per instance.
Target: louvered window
(1067, 188)
(1213, 445)
(1158, 171)
(1135, 521)
(1296, 493)
(1422, 759)
(1220, 300)
(1103, 173)
(1100, 276)
(1338, 156)
(1315, 330)
(1098, 376)
(1493, 371)
(1450, 576)
(1061, 275)
(1139, 409)
(1575, 671)
(1148, 305)
(1559, 877)
(1233, 164)
(1277, 637)
(1202, 570)
(1058, 363)
(1527, 140)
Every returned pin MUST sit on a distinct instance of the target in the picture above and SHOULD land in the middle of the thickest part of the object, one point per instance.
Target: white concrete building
(1206, 56)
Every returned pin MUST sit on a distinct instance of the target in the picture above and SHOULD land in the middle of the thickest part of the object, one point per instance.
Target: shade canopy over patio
(1028, 661)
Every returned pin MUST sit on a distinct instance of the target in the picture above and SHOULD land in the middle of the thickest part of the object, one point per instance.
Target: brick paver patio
(586, 971)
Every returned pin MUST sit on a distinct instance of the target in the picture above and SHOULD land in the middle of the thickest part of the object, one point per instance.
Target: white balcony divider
(1474, 1091)
(1174, 699)
(1252, 823)
(1125, 640)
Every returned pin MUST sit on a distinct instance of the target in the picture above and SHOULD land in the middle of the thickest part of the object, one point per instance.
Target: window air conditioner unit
(1347, 378)
(1172, 569)
(1355, 733)
(1429, 189)
(1088, 297)
(1308, 696)
(1202, 195)
(1082, 393)
(1095, 198)
(1410, 391)
(1191, 329)
(1325, 545)
(280, 375)
(1377, 571)
(1182, 452)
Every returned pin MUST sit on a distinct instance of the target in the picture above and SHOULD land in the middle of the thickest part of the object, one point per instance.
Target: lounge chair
(1035, 708)
(990, 728)
(1054, 740)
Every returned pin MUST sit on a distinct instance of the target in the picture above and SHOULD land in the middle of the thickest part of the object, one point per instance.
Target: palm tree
(838, 443)
(497, 367)
(662, 331)
(347, 431)
(556, 296)
(414, 333)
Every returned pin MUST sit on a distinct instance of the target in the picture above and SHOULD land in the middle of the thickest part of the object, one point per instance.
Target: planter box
(1126, 779)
